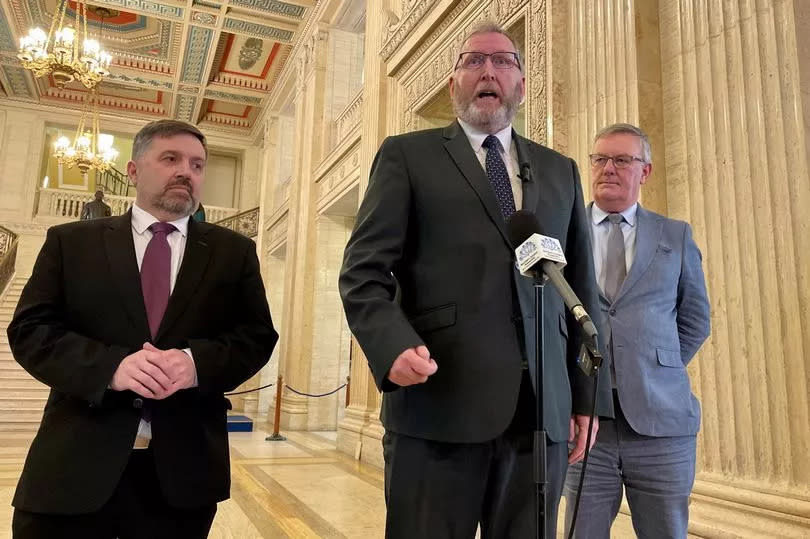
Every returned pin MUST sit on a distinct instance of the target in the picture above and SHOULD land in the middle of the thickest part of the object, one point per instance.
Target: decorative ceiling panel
(212, 62)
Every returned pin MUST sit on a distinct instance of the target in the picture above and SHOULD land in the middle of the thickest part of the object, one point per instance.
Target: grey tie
(615, 267)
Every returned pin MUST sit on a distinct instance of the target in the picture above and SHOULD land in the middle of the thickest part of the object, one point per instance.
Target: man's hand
(138, 373)
(177, 365)
(579, 429)
(413, 366)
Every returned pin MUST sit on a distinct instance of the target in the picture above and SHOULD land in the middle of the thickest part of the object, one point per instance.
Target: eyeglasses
(619, 161)
(476, 60)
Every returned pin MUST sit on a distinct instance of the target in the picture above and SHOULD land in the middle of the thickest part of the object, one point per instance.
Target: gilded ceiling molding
(148, 7)
(184, 108)
(238, 26)
(204, 18)
(188, 89)
(234, 98)
(140, 81)
(273, 6)
(237, 81)
(199, 41)
(227, 120)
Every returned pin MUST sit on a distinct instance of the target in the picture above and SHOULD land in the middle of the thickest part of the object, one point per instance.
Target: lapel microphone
(525, 172)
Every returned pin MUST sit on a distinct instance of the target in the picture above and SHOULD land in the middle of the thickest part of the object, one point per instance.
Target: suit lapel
(120, 250)
(195, 261)
(458, 146)
(647, 235)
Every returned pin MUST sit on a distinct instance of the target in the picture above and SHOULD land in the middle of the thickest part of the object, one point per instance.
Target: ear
(132, 171)
(645, 173)
(451, 85)
(522, 90)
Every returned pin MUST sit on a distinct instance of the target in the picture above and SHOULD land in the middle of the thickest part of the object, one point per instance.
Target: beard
(174, 203)
(488, 121)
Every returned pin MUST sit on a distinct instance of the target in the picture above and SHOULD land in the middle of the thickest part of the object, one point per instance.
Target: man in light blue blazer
(655, 316)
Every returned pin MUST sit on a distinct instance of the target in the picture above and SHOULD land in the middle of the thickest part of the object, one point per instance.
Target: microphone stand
(540, 434)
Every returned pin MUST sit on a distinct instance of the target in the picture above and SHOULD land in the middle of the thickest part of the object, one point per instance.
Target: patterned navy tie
(498, 176)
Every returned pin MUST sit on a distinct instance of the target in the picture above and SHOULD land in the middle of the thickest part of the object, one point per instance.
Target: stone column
(300, 251)
(718, 87)
(359, 432)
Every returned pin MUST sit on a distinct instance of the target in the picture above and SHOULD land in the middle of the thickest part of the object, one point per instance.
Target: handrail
(121, 185)
(245, 223)
(8, 255)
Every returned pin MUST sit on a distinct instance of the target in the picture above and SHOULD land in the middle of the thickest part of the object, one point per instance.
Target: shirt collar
(598, 214)
(476, 136)
(142, 219)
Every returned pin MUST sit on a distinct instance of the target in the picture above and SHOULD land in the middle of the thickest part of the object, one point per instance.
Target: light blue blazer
(656, 324)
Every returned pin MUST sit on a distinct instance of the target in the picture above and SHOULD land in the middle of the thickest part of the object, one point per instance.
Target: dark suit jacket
(430, 224)
(658, 321)
(82, 312)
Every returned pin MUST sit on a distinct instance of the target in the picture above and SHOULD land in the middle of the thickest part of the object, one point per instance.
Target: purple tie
(155, 274)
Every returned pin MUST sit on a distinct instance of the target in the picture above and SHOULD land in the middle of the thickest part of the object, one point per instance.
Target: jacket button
(613, 312)
(137, 403)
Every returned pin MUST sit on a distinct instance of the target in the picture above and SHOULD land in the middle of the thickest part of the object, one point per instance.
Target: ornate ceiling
(210, 62)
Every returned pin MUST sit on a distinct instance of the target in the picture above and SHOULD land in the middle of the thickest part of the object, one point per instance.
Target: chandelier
(89, 149)
(62, 53)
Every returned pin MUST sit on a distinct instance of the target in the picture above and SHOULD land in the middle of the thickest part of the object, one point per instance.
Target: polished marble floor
(298, 488)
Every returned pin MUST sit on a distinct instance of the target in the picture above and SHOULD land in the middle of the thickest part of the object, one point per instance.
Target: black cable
(248, 390)
(587, 452)
(311, 395)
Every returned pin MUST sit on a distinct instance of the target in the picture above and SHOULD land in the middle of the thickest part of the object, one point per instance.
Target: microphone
(539, 255)
(525, 172)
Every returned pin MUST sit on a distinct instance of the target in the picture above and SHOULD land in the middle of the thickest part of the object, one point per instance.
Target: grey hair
(164, 129)
(629, 129)
(491, 27)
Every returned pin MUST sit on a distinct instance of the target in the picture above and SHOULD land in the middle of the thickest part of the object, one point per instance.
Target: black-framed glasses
(619, 161)
(476, 60)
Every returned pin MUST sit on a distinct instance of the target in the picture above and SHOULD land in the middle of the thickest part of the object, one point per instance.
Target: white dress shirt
(476, 138)
(600, 228)
(141, 221)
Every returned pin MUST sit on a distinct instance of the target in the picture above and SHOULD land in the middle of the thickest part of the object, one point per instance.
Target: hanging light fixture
(62, 53)
(90, 149)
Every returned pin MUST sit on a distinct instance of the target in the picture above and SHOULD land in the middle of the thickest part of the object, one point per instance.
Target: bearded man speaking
(432, 295)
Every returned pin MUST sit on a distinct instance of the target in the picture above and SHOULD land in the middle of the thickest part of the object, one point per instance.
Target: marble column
(719, 87)
(359, 432)
(296, 348)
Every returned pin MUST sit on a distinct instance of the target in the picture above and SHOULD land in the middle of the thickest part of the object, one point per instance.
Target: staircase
(22, 398)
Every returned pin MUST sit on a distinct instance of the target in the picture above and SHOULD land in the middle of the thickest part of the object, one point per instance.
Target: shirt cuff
(189, 354)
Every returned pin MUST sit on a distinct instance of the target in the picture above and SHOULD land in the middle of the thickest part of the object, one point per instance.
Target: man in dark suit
(452, 352)
(139, 324)
(656, 317)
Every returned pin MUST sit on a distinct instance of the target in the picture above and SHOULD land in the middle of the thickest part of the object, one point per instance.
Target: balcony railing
(349, 118)
(245, 223)
(8, 256)
(67, 205)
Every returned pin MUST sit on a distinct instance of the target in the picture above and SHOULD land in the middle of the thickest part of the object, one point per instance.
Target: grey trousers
(657, 473)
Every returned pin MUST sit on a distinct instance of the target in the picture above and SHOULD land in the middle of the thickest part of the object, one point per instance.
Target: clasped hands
(154, 373)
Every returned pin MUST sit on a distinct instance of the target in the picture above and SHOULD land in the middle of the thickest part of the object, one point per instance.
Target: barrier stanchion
(276, 437)
(348, 389)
